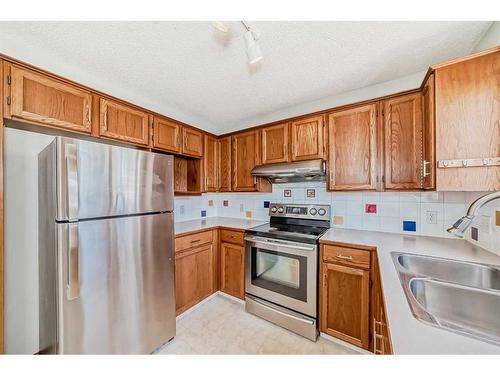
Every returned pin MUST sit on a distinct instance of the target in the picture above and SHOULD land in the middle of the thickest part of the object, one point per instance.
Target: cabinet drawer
(193, 240)
(346, 256)
(231, 236)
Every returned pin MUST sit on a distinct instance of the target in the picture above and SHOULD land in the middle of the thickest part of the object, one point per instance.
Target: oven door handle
(280, 244)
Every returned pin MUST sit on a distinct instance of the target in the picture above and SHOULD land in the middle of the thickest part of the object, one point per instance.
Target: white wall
(21, 239)
(490, 39)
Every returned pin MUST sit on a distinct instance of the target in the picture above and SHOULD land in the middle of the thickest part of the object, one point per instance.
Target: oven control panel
(302, 211)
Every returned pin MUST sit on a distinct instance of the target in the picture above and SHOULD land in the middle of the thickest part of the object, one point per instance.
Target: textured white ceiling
(184, 70)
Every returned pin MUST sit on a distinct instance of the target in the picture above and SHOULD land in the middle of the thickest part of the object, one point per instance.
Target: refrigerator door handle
(72, 176)
(73, 287)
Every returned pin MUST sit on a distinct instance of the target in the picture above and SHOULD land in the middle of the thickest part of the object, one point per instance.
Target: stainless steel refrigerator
(106, 248)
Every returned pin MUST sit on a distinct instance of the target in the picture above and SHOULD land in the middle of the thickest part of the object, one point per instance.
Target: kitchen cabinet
(428, 135)
(379, 324)
(211, 163)
(403, 142)
(167, 135)
(196, 268)
(224, 154)
(122, 122)
(232, 270)
(45, 100)
(193, 276)
(307, 138)
(188, 176)
(275, 140)
(467, 111)
(192, 142)
(352, 148)
(246, 155)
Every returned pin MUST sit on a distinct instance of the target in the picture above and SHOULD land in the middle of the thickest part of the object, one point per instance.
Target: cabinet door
(38, 98)
(428, 138)
(379, 324)
(225, 164)
(245, 158)
(467, 123)
(307, 138)
(345, 303)
(232, 270)
(193, 142)
(119, 121)
(403, 142)
(352, 149)
(211, 163)
(275, 144)
(193, 277)
(167, 135)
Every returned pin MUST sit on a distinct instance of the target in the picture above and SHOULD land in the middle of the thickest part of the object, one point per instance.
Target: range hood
(309, 170)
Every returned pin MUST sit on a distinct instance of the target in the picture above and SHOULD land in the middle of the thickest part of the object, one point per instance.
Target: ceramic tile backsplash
(428, 213)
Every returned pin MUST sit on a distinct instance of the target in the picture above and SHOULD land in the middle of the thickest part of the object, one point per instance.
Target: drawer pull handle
(340, 256)
(194, 241)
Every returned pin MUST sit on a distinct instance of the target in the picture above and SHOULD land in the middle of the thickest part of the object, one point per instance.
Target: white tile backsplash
(392, 209)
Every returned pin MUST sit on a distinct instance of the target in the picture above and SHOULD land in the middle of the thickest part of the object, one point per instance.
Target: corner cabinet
(245, 156)
(225, 158)
(308, 138)
(403, 142)
(124, 123)
(211, 163)
(39, 98)
(352, 149)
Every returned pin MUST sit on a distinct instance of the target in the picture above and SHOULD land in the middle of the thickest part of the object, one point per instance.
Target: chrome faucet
(461, 225)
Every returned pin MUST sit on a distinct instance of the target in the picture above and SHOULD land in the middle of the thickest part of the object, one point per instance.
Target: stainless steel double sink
(458, 296)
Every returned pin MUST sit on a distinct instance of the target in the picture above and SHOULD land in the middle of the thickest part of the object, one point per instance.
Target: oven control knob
(321, 212)
(280, 210)
(273, 209)
(313, 211)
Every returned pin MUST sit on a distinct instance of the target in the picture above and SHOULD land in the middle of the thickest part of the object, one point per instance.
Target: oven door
(283, 272)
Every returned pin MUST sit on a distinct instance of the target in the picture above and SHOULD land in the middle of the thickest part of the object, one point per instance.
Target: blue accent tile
(266, 204)
(203, 213)
(409, 226)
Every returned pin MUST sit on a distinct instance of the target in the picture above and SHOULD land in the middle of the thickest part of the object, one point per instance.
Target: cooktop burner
(295, 222)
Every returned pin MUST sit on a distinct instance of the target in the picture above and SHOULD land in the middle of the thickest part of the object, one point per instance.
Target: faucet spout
(461, 225)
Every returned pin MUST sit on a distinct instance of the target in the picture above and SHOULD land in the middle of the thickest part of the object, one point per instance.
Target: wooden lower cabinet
(193, 276)
(232, 269)
(351, 299)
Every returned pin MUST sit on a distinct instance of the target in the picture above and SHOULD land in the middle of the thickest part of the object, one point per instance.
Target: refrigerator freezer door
(96, 180)
(118, 295)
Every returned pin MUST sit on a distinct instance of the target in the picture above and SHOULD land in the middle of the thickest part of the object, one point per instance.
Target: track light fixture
(253, 50)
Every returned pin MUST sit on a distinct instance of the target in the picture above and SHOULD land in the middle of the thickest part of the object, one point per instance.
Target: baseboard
(343, 343)
(232, 298)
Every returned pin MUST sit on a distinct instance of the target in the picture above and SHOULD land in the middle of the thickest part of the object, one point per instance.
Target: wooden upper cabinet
(232, 269)
(211, 163)
(352, 149)
(344, 310)
(403, 142)
(39, 98)
(192, 142)
(428, 135)
(167, 135)
(307, 138)
(275, 142)
(124, 123)
(246, 148)
(225, 151)
(467, 123)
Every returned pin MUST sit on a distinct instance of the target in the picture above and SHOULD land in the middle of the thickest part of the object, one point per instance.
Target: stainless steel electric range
(281, 278)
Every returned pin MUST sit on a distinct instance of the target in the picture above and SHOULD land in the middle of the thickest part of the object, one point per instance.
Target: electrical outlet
(431, 217)
(484, 224)
(242, 207)
(181, 209)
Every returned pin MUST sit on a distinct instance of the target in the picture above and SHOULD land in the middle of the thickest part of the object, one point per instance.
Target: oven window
(280, 272)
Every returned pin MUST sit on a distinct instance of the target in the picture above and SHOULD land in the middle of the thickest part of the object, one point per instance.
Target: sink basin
(463, 297)
(465, 273)
(467, 310)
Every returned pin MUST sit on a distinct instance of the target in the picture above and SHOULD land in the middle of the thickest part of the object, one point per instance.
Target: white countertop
(408, 335)
(183, 227)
